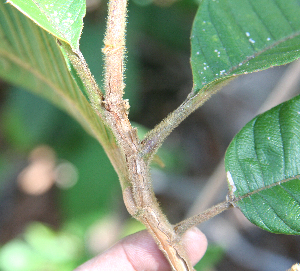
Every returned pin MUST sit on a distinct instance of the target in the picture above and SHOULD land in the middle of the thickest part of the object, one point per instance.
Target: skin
(139, 252)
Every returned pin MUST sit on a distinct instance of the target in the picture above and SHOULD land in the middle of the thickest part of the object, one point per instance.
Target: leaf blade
(263, 172)
(35, 62)
(63, 19)
(233, 37)
(31, 58)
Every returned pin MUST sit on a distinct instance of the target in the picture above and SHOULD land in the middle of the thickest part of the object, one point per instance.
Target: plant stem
(156, 136)
(114, 54)
(114, 51)
(81, 67)
(138, 194)
(184, 225)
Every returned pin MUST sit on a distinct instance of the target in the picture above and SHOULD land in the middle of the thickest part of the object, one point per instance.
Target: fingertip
(195, 243)
(141, 249)
(140, 252)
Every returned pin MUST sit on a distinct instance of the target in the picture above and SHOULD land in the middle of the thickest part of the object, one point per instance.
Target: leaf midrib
(271, 46)
(249, 194)
(26, 66)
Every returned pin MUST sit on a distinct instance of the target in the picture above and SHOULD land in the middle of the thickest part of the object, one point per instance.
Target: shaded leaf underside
(30, 57)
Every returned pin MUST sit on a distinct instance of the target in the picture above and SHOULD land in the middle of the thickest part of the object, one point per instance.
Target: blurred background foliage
(60, 199)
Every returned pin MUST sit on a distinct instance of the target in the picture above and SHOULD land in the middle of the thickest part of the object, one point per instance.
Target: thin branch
(210, 191)
(155, 137)
(284, 90)
(184, 225)
(83, 71)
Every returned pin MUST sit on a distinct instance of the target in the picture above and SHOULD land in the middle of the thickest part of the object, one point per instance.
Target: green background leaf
(232, 37)
(63, 19)
(263, 169)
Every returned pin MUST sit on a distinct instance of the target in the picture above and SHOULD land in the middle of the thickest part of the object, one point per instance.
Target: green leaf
(232, 37)
(263, 169)
(31, 58)
(61, 18)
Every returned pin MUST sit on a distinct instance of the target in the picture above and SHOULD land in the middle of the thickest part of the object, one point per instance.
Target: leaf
(232, 37)
(263, 169)
(61, 18)
(31, 58)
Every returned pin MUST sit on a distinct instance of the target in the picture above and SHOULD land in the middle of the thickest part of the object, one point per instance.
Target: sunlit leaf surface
(231, 37)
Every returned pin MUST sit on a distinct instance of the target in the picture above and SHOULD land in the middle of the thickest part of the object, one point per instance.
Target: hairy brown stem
(81, 67)
(138, 194)
(156, 136)
(114, 51)
(184, 225)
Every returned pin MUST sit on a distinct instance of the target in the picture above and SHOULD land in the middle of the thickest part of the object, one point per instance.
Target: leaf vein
(284, 221)
(264, 50)
(266, 187)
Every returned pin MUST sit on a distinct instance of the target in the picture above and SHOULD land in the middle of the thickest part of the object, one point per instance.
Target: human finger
(140, 252)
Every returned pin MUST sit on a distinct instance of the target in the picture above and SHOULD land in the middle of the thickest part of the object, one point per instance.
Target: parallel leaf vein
(275, 211)
(218, 34)
(261, 20)
(255, 151)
